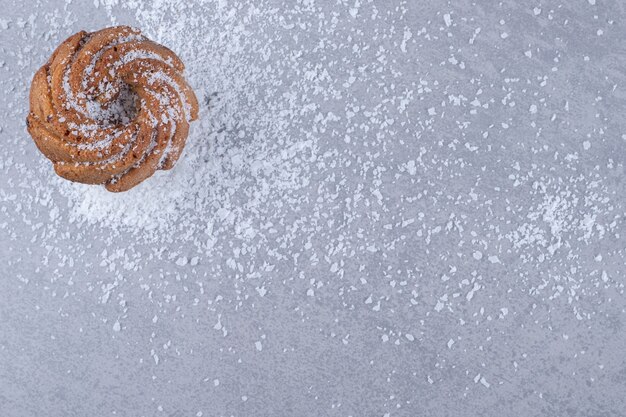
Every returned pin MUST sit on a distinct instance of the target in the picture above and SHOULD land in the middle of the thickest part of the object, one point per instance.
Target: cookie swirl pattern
(111, 107)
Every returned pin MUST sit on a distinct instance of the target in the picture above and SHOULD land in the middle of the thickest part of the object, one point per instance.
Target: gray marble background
(502, 296)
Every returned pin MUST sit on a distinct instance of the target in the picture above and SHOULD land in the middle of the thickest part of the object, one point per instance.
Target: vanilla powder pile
(242, 142)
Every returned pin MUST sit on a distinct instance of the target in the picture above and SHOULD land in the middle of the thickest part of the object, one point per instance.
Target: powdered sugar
(365, 193)
(237, 108)
(162, 77)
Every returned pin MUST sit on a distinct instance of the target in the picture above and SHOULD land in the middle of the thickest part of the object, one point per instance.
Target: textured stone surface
(417, 208)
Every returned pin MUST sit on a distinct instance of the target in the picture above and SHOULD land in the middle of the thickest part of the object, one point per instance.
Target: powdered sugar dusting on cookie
(98, 96)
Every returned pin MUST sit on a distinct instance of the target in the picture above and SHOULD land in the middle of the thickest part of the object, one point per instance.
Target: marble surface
(438, 229)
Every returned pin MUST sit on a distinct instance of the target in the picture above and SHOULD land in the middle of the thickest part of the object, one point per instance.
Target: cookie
(111, 107)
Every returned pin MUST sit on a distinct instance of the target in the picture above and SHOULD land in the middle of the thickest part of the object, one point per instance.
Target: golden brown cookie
(111, 107)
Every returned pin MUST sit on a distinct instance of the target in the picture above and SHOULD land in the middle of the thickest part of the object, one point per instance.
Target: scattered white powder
(244, 139)
(346, 168)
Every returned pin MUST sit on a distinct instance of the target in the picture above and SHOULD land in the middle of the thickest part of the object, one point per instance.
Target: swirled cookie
(111, 107)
